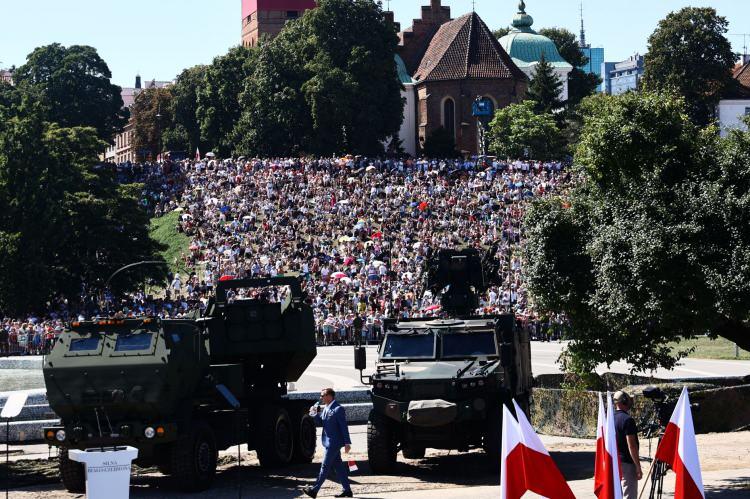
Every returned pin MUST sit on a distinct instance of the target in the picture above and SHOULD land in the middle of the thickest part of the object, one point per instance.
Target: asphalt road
(334, 367)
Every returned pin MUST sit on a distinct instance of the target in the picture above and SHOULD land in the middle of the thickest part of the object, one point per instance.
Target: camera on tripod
(662, 408)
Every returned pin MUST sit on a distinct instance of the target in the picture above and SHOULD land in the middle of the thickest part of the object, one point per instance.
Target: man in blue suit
(335, 436)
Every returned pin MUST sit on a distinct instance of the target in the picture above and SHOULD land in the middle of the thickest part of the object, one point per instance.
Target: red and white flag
(525, 465)
(679, 450)
(600, 461)
(352, 466)
(611, 486)
(197, 154)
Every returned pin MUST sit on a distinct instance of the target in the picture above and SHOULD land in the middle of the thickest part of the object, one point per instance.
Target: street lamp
(158, 129)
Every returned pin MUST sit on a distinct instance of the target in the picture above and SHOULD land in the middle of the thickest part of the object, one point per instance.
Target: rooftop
(465, 48)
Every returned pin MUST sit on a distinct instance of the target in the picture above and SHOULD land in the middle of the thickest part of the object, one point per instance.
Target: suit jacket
(335, 430)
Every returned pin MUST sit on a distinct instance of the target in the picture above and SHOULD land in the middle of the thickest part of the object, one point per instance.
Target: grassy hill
(164, 230)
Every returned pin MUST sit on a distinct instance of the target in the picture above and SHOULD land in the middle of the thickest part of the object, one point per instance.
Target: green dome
(526, 46)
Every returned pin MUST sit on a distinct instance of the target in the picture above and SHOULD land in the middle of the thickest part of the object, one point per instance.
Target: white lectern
(107, 471)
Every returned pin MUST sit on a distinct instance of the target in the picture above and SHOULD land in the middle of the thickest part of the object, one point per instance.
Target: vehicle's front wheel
(73, 474)
(492, 438)
(381, 444)
(193, 459)
(276, 440)
(305, 437)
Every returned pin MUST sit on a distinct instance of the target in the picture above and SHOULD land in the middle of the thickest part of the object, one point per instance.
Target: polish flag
(352, 466)
(600, 461)
(679, 450)
(525, 463)
(612, 487)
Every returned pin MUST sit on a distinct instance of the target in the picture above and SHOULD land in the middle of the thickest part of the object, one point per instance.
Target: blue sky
(159, 38)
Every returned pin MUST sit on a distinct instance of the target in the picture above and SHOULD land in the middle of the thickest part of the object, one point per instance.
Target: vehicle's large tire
(305, 437)
(193, 458)
(492, 438)
(381, 444)
(72, 473)
(276, 440)
(413, 452)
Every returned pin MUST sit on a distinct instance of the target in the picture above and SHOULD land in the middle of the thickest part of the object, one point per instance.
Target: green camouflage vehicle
(441, 383)
(181, 390)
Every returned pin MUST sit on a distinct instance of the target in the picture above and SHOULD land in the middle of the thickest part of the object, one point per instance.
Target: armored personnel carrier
(441, 383)
(181, 390)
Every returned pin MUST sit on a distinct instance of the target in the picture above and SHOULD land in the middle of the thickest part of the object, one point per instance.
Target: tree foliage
(184, 132)
(689, 54)
(517, 131)
(152, 115)
(63, 220)
(500, 32)
(544, 89)
(653, 244)
(580, 83)
(73, 86)
(218, 107)
(326, 84)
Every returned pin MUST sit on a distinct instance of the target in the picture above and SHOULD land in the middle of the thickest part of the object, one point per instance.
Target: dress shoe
(310, 492)
(346, 493)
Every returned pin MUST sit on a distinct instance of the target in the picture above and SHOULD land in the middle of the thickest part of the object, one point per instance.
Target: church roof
(465, 48)
(526, 46)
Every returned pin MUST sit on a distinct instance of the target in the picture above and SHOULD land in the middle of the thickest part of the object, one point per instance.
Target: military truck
(441, 383)
(180, 390)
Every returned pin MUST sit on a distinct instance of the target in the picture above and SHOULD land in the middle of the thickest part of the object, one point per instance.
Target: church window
(449, 116)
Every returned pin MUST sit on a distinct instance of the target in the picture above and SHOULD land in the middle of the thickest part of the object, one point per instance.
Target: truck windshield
(85, 344)
(412, 346)
(132, 342)
(469, 345)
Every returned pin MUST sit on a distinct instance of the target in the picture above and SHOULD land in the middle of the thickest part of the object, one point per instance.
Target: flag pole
(645, 482)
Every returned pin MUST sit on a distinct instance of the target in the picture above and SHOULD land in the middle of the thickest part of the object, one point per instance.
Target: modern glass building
(595, 56)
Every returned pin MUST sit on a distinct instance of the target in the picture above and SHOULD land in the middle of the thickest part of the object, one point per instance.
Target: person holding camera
(627, 445)
(335, 436)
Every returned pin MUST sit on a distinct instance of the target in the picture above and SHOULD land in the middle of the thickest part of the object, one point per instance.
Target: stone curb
(21, 363)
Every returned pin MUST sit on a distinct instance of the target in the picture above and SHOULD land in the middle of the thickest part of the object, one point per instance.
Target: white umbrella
(377, 263)
(210, 155)
(370, 169)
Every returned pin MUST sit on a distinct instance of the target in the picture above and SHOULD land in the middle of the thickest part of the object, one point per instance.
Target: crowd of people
(358, 232)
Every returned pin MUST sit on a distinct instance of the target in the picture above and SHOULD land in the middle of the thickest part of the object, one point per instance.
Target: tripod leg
(653, 462)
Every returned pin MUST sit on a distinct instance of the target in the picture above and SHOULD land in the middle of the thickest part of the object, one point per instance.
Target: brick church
(444, 64)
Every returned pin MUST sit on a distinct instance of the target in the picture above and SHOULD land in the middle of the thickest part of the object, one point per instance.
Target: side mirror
(506, 355)
(360, 358)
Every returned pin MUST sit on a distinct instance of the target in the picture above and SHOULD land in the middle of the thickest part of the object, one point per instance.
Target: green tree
(184, 133)
(73, 84)
(500, 32)
(327, 84)
(689, 54)
(544, 89)
(580, 83)
(440, 144)
(63, 220)
(517, 131)
(653, 243)
(218, 108)
(152, 114)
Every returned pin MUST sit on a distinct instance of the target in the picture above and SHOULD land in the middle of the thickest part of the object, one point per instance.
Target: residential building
(6, 76)
(121, 150)
(736, 103)
(526, 48)
(268, 17)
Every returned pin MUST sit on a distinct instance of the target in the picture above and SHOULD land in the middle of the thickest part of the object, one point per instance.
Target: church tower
(267, 17)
